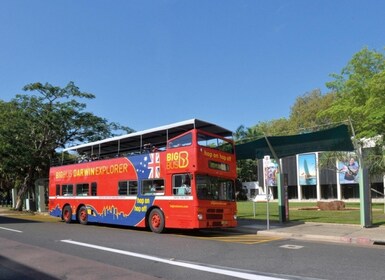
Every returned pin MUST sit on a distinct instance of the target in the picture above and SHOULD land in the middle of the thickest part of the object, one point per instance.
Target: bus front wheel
(82, 215)
(67, 214)
(156, 220)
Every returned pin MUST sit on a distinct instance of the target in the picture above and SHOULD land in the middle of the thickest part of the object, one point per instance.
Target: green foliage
(374, 159)
(243, 134)
(247, 170)
(33, 126)
(303, 116)
(360, 90)
(357, 94)
(274, 127)
(360, 96)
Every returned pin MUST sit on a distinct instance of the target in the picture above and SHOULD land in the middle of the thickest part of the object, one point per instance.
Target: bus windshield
(214, 188)
(215, 143)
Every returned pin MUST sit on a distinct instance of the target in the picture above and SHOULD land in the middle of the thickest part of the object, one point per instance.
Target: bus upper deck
(149, 140)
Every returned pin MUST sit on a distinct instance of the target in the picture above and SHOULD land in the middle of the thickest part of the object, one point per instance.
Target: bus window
(82, 189)
(94, 189)
(183, 141)
(57, 189)
(153, 187)
(122, 188)
(214, 188)
(215, 143)
(67, 190)
(132, 187)
(181, 184)
(128, 188)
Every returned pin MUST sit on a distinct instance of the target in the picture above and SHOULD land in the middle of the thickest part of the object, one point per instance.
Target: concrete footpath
(327, 232)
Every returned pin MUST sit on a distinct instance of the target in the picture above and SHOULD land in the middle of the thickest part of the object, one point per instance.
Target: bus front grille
(214, 214)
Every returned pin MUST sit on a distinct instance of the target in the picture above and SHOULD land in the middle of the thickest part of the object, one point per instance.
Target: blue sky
(152, 63)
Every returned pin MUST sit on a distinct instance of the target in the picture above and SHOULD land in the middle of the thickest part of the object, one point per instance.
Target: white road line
(292, 247)
(14, 230)
(227, 272)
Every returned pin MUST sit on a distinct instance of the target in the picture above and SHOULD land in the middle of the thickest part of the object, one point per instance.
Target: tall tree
(240, 133)
(246, 169)
(274, 127)
(34, 126)
(246, 134)
(360, 94)
(304, 113)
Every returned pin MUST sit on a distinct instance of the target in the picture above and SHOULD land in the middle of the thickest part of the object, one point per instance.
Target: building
(306, 181)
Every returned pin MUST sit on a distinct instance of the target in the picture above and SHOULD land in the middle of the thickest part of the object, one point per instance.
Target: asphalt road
(46, 248)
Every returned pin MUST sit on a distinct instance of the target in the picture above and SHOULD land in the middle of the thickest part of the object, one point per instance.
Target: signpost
(266, 163)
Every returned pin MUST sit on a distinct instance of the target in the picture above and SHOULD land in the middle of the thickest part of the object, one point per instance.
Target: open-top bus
(175, 176)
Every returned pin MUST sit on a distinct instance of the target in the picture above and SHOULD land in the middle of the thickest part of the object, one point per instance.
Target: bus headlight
(235, 217)
(200, 216)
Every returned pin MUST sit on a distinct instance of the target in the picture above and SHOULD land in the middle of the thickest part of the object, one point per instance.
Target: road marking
(201, 267)
(292, 247)
(248, 239)
(10, 229)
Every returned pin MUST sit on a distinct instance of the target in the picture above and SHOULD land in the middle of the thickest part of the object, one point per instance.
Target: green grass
(307, 212)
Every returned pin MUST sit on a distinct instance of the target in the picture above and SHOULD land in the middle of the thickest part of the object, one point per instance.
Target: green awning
(333, 139)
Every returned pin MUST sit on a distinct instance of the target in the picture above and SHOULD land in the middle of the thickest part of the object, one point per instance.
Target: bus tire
(83, 215)
(156, 220)
(67, 214)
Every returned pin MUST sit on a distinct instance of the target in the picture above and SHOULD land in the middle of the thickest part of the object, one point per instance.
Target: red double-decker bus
(175, 176)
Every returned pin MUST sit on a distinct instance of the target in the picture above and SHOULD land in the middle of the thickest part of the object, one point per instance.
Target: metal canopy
(333, 139)
(156, 136)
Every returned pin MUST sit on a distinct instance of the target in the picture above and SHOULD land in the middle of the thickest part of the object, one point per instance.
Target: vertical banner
(270, 170)
(307, 169)
(348, 169)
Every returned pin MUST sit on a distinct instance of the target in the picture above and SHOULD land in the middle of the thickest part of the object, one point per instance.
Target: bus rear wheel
(67, 214)
(156, 220)
(83, 215)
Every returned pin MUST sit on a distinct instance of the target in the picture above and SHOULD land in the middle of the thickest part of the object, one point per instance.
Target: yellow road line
(240, 238)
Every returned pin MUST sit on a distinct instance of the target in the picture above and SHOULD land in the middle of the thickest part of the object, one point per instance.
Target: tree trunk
(21, 194)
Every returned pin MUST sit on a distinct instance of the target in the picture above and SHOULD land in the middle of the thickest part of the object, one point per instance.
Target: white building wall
(252, 189)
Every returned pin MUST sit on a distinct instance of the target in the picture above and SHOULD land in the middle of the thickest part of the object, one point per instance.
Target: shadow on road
(10, 270)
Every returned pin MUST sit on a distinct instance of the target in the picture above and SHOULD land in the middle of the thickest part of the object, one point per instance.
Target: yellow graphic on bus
(177, 160)
(93, 171)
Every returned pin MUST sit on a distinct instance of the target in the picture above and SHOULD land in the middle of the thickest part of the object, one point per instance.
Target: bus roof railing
(157, 136)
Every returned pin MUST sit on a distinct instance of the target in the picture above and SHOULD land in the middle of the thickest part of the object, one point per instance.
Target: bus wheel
(67, 214)
(82, 215)
(156, 220)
